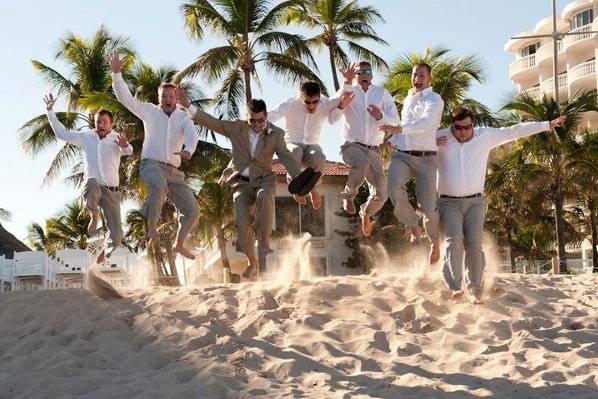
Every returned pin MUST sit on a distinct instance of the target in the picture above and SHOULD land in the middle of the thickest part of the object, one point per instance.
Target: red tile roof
(332, 168)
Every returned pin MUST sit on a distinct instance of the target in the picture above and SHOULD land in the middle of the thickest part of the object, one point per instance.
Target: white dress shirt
(359, 126)
(253, 139)
(164, 135)
(420, 119)
(302, 127)
(462, 166)
(101, 156)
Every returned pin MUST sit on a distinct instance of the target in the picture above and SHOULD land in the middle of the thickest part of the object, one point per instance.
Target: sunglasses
(364, 72)
(462, 127)
(311, 102)
(260, 120)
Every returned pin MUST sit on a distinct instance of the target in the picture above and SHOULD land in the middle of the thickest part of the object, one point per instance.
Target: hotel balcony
(582, 76)
(533, 92)
(522, 68)
(545, 53)
(547, 86)
(583, 41)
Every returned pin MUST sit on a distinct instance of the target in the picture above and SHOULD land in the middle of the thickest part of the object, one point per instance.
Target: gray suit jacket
(270, 141)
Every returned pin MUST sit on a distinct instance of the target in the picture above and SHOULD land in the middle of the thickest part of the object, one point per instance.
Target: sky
(32, 29)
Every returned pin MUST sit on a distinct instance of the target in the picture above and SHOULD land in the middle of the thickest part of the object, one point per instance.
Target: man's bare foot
(366, 224)
(300, 200)
(416, 234)
(434, 252)
(349, 206)
(152, 232)
(316, 199)
(183, 251)
(458, 294)
(92, 228)
(476, 300)
(101, 257)
(251, 273)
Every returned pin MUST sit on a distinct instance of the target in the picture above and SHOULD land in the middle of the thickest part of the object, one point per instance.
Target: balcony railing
(548, 85)
(534, 92)
(581, 70)
(521, 64)
(583, 32)
(546, 51)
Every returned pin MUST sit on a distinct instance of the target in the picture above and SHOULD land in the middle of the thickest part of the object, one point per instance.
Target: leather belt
(371, 147)
(465, 196)
(111, 188)
(419, 153)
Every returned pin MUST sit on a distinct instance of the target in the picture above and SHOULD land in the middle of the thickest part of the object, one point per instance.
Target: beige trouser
(462, 221)
(166, 180)
(249, 202)
(402, 168)
(308, 155)
(365, 164)
(100, 198)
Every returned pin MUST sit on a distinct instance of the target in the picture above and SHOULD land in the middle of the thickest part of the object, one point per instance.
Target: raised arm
(121, 90)
(344, 95)
(280, 111)
(504, 135)
(125, 147)
(202, 118)
(59, 129)
(390, 115)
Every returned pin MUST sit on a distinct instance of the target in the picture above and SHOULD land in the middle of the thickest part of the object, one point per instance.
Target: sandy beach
(381, 336)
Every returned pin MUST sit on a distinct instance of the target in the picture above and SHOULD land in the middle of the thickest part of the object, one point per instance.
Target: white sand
(393, 336)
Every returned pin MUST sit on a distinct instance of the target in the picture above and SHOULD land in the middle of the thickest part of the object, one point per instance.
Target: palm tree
(87, 71)
(36, 237)
(340, 22)
(4, 214)
(452, 78)
(552, 155)
(249, 29)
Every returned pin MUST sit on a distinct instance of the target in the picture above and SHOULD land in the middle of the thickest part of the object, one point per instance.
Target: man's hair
(310, 88)
(166, 85)
(364, 63)
(461, 114)
(424, 65)
(104, 112)
(256, 106)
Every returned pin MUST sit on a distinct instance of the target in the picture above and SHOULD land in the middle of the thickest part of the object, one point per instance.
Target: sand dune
(383, 336)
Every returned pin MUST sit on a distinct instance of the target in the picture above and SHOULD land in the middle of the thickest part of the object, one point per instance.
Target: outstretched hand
(440, 141)
(375, 112)
(116, 63)
(349, 73)
(558, 122)
(346, 99)
(121, 141)
(391, 129)
(182, 97)
(50, 101)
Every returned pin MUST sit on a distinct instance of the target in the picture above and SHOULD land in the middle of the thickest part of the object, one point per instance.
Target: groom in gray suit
(254, 143)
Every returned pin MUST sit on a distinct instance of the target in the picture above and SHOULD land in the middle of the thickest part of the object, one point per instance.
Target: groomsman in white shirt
(102, 149)
(372, 107)
(170, 136)
(462, 157)
(304, 116)
(415, 156)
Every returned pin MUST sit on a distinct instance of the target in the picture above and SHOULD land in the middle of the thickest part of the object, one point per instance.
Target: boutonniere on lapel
(268, 131)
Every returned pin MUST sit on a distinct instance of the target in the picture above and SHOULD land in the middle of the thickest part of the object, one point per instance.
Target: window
(318, 266)
(529, 50)
(292, 219)
(583, 18)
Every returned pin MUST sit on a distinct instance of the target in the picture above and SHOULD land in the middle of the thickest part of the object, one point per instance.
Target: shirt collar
(423, 93)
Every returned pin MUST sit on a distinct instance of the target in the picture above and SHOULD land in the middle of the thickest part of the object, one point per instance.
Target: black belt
(465, 196)
(419, 153)
(371, 147)
(111, 188)
(244, 178)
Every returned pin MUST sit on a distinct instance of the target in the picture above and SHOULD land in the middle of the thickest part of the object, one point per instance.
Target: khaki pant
(248, 202)
(167, 181)
(462, 221)
(308, 155)
(402, 168)
(99, 198)
(365, 164)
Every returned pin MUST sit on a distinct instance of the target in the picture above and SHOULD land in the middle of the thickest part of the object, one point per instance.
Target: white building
(532, 70)
(325, 249)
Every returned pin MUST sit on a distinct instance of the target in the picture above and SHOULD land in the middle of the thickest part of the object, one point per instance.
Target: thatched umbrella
(9, 244)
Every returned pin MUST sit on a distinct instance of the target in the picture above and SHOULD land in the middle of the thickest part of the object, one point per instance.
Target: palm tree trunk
(333, 67)
(560, 239)
(592, 210)
(222, 246)
(248, 96)
(511, 251)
